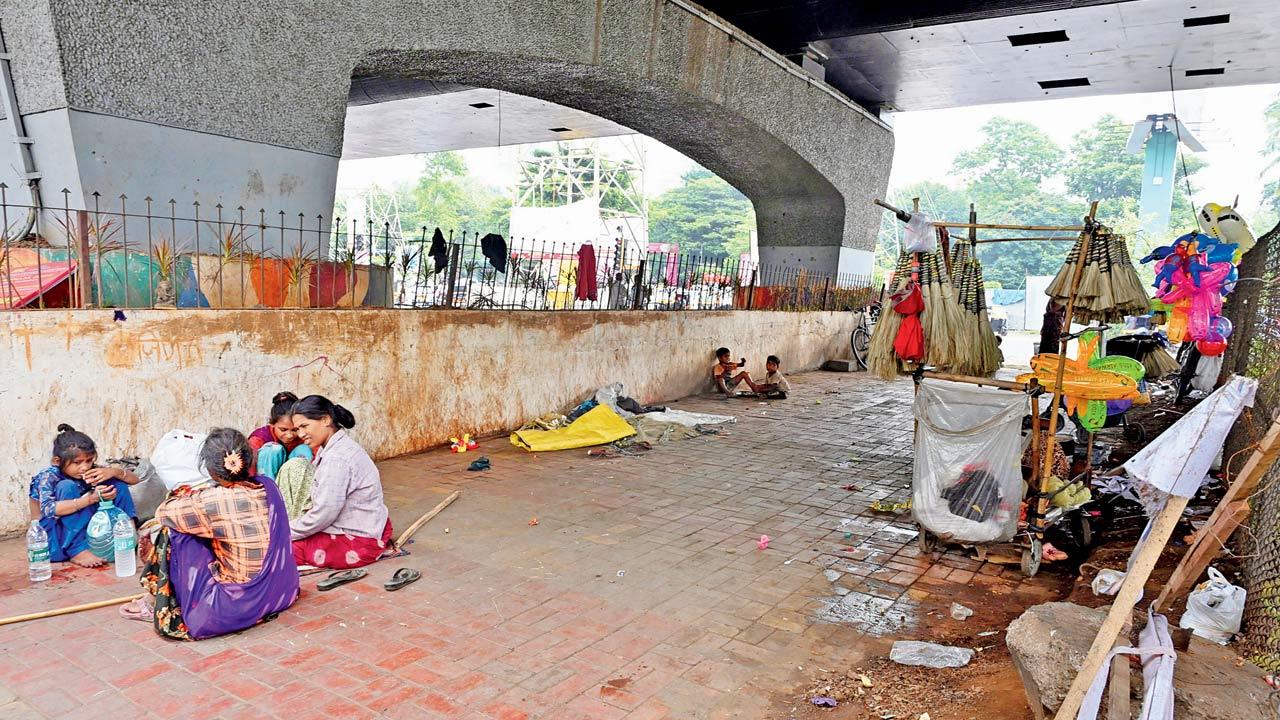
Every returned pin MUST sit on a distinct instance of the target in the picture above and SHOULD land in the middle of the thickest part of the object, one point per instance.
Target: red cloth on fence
(909, 303)
(586, 287)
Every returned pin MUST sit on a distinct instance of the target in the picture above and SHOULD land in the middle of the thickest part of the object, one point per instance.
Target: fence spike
(123, 196)
(147, 199)
(3, 186)
(172, 201)
(240, 208)
(196, 203)
(66, 191)
(218, 206)
(95, 193)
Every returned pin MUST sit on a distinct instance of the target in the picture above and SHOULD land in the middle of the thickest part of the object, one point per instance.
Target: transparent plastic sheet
(967, 479)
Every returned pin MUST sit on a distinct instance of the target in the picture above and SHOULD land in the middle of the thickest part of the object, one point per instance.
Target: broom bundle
(881, 360)
(943, 319)
(1109, 285)
(977, 352)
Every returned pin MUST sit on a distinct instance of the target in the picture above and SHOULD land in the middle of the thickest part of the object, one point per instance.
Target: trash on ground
(866, 681)
(1214, 609)
(1107, 582)
(824, 702)
(479, 464)
(960, 612)
(927, 654)
(850, 488)
(988, 633)
(533, 521)
(889, 506)
(763, 542)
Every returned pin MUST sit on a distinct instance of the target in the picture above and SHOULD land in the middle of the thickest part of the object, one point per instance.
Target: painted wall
(412, 378)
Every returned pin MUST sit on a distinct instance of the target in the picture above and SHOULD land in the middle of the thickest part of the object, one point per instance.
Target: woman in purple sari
(219, 558)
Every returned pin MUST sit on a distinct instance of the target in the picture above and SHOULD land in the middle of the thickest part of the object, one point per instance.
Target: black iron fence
(128, 254)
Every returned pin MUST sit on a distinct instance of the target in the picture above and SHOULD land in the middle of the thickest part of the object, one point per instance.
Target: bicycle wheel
(860, 343)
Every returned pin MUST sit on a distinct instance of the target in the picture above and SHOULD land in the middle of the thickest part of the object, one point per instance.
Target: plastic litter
(824, 701)
(763, 542)
(919, 235)
(1107, 582)
(866, 681)
(960, 612)
(532, 521)
(479, 464)
(1214, 609)
(927, 654)
(176, 459)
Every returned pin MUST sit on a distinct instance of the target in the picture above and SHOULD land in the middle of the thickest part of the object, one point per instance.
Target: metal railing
(148, 254)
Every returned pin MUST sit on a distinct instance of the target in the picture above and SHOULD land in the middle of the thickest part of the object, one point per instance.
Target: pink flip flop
(139, 610)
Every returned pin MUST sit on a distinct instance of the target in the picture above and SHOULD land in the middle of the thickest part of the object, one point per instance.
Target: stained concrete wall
(413, 378)
(278, 74)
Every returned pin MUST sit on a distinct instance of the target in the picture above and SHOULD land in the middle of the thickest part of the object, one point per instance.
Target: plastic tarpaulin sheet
(967, 478)
(598, 426)
(1178, 460)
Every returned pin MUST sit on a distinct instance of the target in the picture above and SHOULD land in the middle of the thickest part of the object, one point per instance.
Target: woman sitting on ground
(278, 440)
(217, 557)
(346, 524)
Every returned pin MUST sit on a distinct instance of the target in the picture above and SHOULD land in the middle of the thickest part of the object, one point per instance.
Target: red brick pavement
(640, 593)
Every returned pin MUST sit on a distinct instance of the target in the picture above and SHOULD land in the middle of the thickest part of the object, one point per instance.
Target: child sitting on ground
(65, 495)
(775, 385)
(722, 373)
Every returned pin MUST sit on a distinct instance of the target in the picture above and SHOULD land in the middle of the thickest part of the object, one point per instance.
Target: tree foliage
(1018, 175)
(703, 214)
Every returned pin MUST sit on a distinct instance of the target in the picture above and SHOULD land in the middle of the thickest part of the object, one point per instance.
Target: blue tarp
(1007, 297)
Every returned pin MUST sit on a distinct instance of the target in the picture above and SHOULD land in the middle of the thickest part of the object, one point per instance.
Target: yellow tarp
(598, 426)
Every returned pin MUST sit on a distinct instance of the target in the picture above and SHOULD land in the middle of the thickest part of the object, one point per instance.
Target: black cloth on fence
(494, 247)
(439, 252)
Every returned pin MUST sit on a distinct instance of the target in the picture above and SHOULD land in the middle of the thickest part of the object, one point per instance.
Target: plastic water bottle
(100, 532)
(39, 568)
(125, 540)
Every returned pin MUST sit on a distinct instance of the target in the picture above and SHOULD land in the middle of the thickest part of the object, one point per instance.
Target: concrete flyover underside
(272, 80)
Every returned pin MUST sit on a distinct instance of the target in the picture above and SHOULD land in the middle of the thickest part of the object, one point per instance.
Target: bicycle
(860, 338)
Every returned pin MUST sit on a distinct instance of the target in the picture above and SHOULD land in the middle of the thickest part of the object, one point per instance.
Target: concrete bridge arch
(245, 102)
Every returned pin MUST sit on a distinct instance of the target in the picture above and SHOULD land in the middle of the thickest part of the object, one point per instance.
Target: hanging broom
(881, 360)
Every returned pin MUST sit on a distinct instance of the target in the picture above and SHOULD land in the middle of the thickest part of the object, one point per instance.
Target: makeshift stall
(1084, 262)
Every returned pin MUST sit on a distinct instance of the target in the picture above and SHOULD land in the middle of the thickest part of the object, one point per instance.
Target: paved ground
(639, 593)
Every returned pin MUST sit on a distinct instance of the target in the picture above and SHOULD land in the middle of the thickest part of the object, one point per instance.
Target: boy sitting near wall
(775, 385)
(724, 376)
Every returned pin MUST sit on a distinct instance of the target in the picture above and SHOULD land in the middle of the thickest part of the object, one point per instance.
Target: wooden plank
(1227, 516)
(1122, 608)
(971, 380)
(1118, 691)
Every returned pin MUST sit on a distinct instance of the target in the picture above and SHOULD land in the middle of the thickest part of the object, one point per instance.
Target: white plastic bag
(919, 235)
(1107, 582)
(967, 479)
(1214, 609)
(177, 459)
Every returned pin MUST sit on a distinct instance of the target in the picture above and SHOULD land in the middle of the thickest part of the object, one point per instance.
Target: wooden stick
(1227, 516)
(69, 610)
(1027, 239)
(1042, 503)
(996, 226)
(404, 536)
(1118, 689)
(971, 380)
(1122, 607)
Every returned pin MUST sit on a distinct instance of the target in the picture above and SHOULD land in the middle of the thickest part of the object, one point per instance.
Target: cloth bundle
(1109, 286)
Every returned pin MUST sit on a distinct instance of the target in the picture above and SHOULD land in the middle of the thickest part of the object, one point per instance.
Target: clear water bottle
(100, 531)
(39, 568)
(125, 541)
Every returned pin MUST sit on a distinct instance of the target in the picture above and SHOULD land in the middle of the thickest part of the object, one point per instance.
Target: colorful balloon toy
(1090, 383)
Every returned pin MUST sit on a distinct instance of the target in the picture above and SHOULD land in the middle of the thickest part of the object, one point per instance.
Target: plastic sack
(1214, 609)
(177, 459)
(927, 654)
(967, 479)
(1107, 582)
(919, 235)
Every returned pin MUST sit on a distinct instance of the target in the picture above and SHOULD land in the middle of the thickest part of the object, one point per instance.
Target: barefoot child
(722, 373)
(278, 440)
(64, 496)
(775, 385)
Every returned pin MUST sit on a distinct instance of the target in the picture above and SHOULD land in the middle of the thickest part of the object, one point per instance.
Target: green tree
(1099, 168)
(1271, 150)
(704, 214)
(1014, 157)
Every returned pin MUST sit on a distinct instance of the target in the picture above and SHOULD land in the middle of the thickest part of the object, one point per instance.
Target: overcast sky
(1227, 121)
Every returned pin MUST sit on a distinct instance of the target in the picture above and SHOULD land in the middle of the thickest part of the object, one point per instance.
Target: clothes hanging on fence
(586, 283)
(439, 252)
(494, 247)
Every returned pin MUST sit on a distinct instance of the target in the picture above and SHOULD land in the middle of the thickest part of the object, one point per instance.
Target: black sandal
(400, 578)
(340, 577)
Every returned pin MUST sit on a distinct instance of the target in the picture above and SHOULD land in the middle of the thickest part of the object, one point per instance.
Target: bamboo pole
(407, 534)
(1026, 239)
(70, 610)
(1042, 502)
(971, 380)
(998, 226)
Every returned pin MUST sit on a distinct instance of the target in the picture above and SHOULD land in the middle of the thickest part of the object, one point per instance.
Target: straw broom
(881, 360)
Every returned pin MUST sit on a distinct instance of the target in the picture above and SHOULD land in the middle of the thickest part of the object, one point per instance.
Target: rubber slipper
(340, 577)
(138, 610)
(400, 578)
